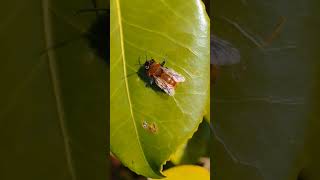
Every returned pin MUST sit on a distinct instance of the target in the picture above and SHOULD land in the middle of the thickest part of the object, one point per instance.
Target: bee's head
(147, 64)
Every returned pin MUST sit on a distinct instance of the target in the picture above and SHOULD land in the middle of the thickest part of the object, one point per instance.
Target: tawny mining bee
(165, 78)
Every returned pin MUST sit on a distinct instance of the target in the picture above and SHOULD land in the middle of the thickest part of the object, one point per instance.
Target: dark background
(54, 90)
(265, 110)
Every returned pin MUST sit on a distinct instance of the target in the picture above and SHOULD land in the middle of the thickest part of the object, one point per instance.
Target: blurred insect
(222, 53)
(165, 78)
(152, 127)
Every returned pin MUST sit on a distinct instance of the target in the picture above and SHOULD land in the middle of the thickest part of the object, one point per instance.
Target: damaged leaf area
(147, 125)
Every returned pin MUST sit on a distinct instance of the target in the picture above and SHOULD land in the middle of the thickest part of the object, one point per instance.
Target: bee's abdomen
(168, 79)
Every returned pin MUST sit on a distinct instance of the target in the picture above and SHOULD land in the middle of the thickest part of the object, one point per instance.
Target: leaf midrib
(118, 9)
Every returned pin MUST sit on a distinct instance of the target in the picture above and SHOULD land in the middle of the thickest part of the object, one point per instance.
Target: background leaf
(196, 147)
(262, 119)
(53, 92)
(186, 172)
(179, 31)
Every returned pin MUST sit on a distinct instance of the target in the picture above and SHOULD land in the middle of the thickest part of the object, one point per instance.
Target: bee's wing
(176, 77)
(222, 53)
(165, 86)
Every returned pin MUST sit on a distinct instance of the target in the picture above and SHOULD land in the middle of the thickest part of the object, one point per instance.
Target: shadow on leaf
(147, 80)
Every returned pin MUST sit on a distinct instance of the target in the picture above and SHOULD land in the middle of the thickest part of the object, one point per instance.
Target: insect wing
(176, 77)
(222, 53)
(165, 86)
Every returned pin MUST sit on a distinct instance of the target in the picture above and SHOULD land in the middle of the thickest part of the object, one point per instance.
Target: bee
(222, 53)
(165, 78)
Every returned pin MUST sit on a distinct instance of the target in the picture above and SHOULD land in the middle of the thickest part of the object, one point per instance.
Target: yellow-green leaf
(179, 31)
(186, 172)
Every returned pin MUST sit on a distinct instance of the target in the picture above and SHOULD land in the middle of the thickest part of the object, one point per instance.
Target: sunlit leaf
(186, 172)
(179, 32)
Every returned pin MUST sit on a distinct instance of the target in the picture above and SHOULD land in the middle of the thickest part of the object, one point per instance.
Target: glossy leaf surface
(174, 30)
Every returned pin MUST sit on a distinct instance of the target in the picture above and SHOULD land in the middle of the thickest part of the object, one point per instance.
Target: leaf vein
(175, 13)
(163, 35)
(180, 107)
(120, 19)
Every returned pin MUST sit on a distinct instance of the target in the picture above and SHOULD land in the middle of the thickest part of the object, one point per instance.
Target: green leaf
(186, 172)
(53, 93)
(179, 31)
(207, 110)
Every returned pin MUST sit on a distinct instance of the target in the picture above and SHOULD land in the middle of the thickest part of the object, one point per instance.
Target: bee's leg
(151, 80)
(164, 60)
